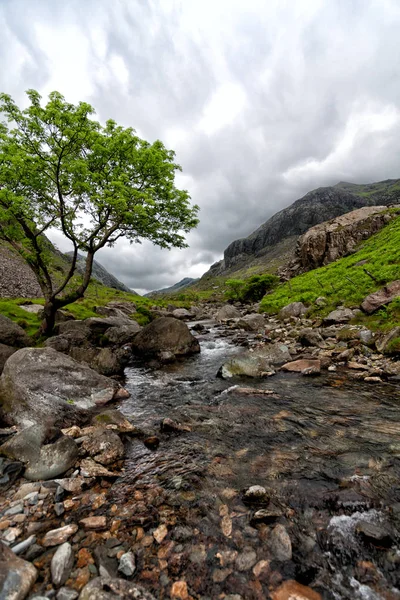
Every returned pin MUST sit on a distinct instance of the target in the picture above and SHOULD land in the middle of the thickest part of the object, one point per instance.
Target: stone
(43, 459)
(73, 484)
(104, 446)
(160, 533)
(246, 559)
(385, 343)
(339, 316)
(114, 417)
(89, 468)
(311, 337)
(261, 568)
(257, 494)
(61, 564)
(227, 312)
(280, 544)
(182, 313)
(165, 334)
(94, 522)
(294, 309)
(299, 366)
(55, 537)
(127, 564)
(12, 334)
(40, 385)
(65, 593)
(5, 353)
(179, 590)
(24, 545)
(291, 590)
(109, 588)
(17, 576)
(252, 322)
(170, 426)
(256, 363)
(381, 298)
(123, 334)
(106, 565)
(374, 534)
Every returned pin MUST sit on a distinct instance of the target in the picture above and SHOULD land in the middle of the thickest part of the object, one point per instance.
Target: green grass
(343, 282)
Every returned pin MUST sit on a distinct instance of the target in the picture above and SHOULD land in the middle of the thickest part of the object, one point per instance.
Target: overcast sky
(261, 100)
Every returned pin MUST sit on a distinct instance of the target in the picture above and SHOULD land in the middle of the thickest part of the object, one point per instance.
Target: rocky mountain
(277, 237)
(101, 274)
(181, 285)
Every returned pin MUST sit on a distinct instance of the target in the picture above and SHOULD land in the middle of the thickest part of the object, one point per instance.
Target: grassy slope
(343, 282)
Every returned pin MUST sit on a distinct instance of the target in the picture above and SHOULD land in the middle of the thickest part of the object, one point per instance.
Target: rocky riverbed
(273, 480)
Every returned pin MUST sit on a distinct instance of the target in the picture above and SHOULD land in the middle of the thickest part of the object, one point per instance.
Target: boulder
(44, 452)
(182, 313)
(257, 363)
(17, 576)
(122, 334)
(5, 353)
(104, 446)
(306, 366)
(311, 337)
(227, 312)
(252, 322)
(294, 309)
(382, 297)
(12, 334)
(340, 315)
(165, 335)
(111, 588)
(386, 344)
(116, 308)
(40, 384)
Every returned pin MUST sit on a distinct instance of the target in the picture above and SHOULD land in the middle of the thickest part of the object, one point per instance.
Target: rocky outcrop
(165, 338)
(41, 385)
(326, 242)
(12, 334)
(16, 278)
(381, 298)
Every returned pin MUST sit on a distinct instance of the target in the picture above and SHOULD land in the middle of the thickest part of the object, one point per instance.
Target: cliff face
(322, 204)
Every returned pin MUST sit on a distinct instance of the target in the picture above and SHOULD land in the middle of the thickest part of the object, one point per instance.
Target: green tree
(234, 289)
(60, 168)
(257, 285)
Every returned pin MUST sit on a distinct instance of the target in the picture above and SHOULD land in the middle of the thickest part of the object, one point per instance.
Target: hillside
(177, 287)
(273, 243)
(102, 275)
(348, 280)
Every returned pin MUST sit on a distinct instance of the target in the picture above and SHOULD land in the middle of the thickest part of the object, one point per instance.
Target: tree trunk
(49, 318)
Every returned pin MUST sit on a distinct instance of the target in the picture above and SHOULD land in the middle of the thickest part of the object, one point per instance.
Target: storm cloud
(262, 101)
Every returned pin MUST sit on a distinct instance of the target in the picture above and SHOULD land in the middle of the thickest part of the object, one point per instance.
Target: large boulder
(227, 312)
(43, 450)
(165, 336)
(382, 297)
(294, 309)
(41, 384)
(257, 363)
(12, 334)
(252, 322)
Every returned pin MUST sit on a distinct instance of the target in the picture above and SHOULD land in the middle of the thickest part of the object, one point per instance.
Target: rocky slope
(101, 274)
(322, 204)
(177, 287)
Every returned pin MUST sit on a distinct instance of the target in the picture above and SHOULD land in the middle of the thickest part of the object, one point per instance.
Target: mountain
(184, 283)
(101, 274)
(273, 243)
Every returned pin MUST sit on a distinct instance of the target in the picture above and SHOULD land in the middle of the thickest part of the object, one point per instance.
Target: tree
(60, 168)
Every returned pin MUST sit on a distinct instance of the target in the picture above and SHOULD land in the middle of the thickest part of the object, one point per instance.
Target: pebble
(160, 533)
(246, 560)
(25, 489)
(127, 564)
(59, 508)
(179, 590)
(14, 510)
(65, 593)
(280, 544)
(22, 546)
(256, 493)
(94, 522)
(11, 534)
(62, 563)
(55, 537)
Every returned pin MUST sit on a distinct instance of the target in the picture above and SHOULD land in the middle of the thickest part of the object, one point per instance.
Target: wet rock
(127, 564)
(152, 442)
(227, 312)
(104, 446)
(374, 534)
(291, 590)
(107, 588)
(24, 545)
(17, 576)
(382, 297)
(256, 494)
(61, 564)
(165, 335)
(90, 468)
(267, 515)
(256, 363)
(73, 484)
(299, 366)
(168, 425)
(113, 417)
(340, 315)
(40, 384)
(55, 537)
(294, 309)
(44, 460)
(246, 559)
(280, 544)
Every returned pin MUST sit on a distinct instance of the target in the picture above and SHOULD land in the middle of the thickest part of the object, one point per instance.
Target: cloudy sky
(261, 100)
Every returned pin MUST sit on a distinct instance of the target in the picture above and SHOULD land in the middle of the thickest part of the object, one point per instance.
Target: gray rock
(182, 313)
(67, 594)
(40, 384)
(257, 363)
(12, 334)
(384, 343)
(165, 335)
(107, 588)
(127, 564)
(24, 545)
(252, 322)
(294, 309)
(280, 544)
(61, 564)
(123, 334)
(227, 312)
(311, 337)
(43, 460)
(5, 353)
(17, 576)
(340, 315)
(104, 446)
(246, 559)
(374, 534)
(107, 567)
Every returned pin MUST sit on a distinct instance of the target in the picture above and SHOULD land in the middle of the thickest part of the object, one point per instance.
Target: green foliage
(61, 168)
(142, 315)
(251, 290)
(345, 281)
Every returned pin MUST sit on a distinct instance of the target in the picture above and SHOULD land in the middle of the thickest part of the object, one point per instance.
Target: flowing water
(326, 449)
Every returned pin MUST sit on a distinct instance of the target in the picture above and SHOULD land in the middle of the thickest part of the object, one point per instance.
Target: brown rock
(160, 533)
(55, 537)
(291, 590)
(382, 297)
(179, 590)
(89, 468)
(298, 366)
(94, 522)
(104, 446)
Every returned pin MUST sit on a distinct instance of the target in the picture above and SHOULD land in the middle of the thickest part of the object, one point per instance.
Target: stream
(326, 449)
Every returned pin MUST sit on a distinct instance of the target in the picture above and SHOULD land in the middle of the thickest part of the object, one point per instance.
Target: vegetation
(61, 168)
(348, 280)
(252, 289)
